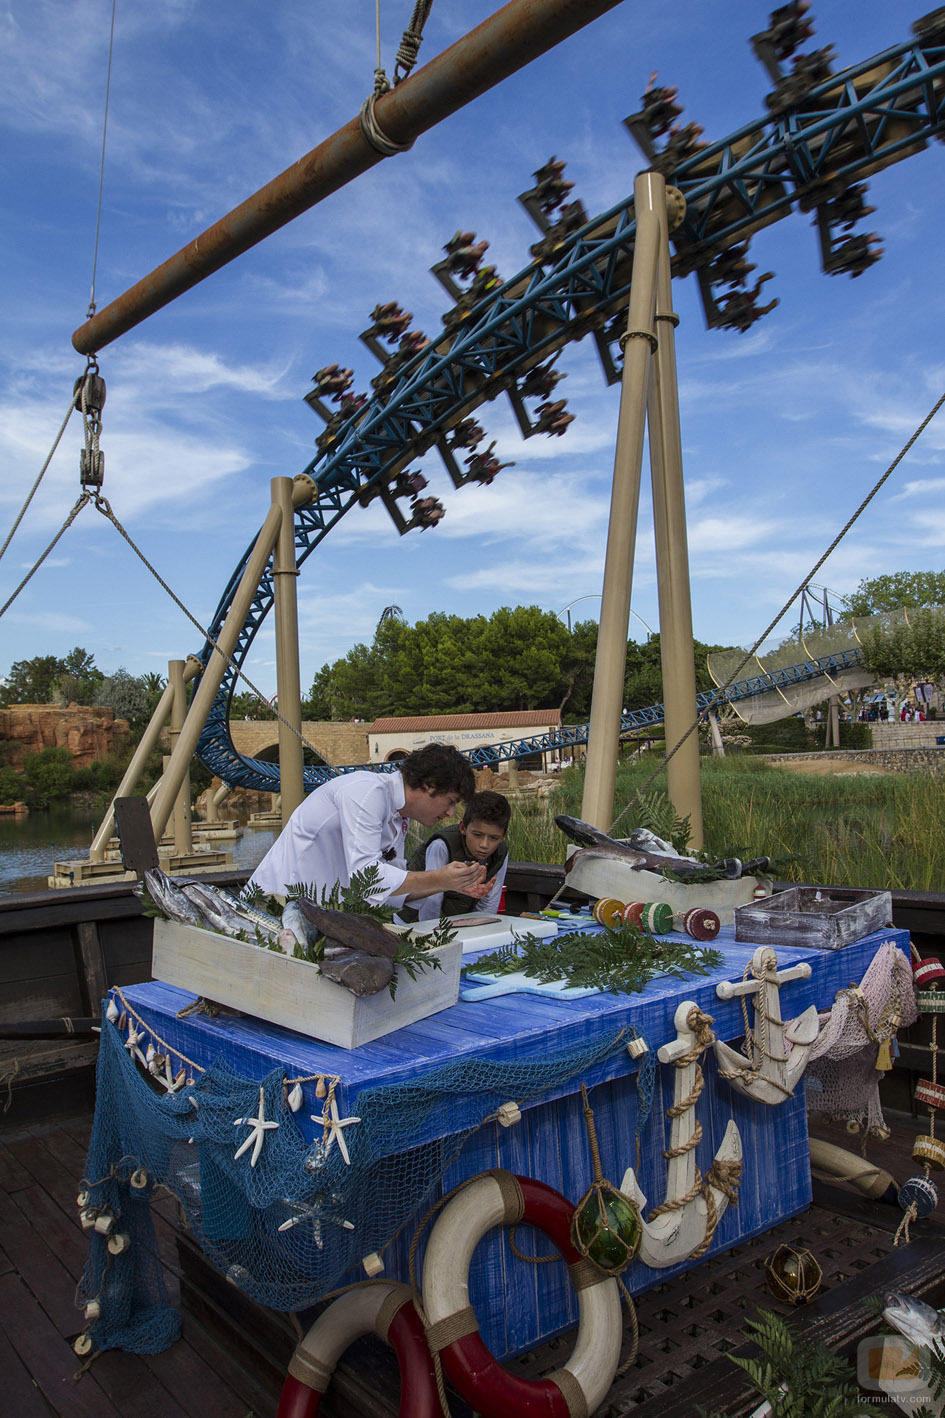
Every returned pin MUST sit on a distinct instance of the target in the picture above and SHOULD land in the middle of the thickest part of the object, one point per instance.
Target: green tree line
(518, 658)
(50, 775)
(892, 648)
(76, 679)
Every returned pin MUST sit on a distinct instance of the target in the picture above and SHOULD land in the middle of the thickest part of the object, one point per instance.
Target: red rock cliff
(88, 733)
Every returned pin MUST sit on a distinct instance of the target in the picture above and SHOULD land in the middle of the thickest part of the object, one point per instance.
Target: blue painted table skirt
(519, 1304)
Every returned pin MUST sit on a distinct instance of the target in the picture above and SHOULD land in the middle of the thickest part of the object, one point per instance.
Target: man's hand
(468, 878)
(465, 877)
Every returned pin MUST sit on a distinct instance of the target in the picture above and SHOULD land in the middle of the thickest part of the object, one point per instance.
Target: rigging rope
(86, 497)
(102, 505)
(101, 176)
(720, 691)
(411, 40)
(42, 471)
(407, 51)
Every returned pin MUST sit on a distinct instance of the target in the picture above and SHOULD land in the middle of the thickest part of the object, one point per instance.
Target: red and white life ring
(498, 1198)
(385, 1309)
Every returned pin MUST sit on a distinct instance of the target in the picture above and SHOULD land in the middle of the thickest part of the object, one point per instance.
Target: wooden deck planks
(13, 1175)
(20, 1394)
(41, 1349)
(38, 1265)
(43, 1252)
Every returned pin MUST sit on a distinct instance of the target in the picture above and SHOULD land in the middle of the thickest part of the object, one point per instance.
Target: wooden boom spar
(504, 43)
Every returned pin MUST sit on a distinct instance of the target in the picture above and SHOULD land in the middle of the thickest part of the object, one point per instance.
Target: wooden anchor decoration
(779, 1049)
(683, 1226)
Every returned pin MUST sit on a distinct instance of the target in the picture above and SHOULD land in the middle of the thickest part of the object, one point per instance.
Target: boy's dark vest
(454, 902)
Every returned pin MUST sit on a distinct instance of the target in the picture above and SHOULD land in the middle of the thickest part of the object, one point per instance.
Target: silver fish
(244, 919)
(216, 912)
(598, 842)
(169, 897)
(305, 931)
(269, 925)
(916, 1320)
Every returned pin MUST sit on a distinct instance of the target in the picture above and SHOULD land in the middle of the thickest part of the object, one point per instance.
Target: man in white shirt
(359, 820)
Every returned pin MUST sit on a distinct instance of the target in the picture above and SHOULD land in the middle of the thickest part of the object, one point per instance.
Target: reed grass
(867, 831)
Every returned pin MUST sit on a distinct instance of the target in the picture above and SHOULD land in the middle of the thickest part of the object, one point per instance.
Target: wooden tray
(293, 993)
(814, 917)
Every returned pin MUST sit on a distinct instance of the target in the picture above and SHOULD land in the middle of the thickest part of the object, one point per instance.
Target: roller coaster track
(803, 155)
(633, 719)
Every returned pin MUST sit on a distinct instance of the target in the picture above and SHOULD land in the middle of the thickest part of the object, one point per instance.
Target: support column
(833, 723)
(139, 758)
(183, 834)
(683, 783)
(213, 674)
(215, 796)
(600, 773)
(288, 688)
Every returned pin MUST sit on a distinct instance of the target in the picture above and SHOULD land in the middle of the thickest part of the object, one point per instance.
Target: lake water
(30, 845)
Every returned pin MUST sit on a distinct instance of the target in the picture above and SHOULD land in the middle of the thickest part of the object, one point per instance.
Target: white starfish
(258, 1127)
(132, 1042)
(334, 1125)
(168, 1079)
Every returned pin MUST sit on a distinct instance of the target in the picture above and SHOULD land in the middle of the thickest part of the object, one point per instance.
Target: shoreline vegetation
(863, 830)
(844, 828)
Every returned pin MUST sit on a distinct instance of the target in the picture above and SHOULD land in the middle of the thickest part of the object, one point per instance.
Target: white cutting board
(479, 932)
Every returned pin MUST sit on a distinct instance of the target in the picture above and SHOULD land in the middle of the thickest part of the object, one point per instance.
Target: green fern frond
(800, 1378)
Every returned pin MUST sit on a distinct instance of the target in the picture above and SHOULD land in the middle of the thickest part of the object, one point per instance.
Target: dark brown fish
(359, 972)
(356, 932)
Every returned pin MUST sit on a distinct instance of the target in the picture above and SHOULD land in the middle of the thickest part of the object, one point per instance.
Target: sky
(785, 428)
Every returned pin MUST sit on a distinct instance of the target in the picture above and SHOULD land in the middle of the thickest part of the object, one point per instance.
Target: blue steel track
(840, 131)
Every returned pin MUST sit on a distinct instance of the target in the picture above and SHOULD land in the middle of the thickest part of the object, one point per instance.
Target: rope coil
(407, 52)
(374, 133)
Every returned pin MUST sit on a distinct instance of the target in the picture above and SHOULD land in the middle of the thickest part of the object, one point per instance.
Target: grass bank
(864, 831)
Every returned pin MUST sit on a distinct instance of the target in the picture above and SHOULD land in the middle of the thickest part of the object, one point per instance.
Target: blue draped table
(518, 1305)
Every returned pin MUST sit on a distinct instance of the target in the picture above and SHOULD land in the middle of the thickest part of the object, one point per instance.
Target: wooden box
(290, 992)
(814, 917)
(597, 876)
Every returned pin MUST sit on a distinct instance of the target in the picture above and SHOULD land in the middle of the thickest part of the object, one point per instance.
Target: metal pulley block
(94, 392)
(91, 467)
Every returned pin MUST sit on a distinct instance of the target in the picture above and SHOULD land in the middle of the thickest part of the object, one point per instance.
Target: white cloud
(784, 428)
(50, 622)
(923, 488)
(158, 374)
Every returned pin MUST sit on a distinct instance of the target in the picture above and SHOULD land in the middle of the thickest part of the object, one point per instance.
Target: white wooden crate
(293, 993)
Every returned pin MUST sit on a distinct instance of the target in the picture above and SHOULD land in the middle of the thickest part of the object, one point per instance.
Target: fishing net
(793, 693)
(856, 1041)
(280, 1216)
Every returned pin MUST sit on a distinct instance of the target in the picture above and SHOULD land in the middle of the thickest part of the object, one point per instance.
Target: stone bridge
(335, 743)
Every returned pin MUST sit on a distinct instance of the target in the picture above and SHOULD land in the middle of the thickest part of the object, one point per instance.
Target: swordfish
(731, 868)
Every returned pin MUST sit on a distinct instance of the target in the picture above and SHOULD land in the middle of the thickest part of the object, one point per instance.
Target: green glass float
(606, 1228)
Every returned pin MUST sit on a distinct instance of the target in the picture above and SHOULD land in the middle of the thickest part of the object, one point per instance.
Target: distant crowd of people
(908, 714)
